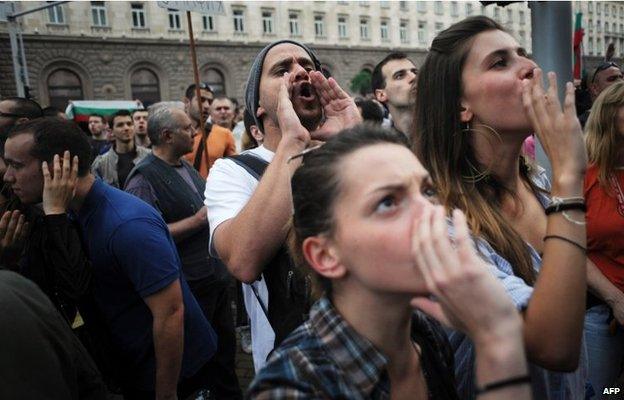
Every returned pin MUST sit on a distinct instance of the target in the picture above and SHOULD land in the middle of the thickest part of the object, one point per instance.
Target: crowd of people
(402, 246)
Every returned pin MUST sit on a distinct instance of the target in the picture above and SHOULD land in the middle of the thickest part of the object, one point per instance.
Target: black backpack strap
(255, 166)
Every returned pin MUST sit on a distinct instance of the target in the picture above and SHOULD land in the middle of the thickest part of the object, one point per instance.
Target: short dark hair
(371, 111)
(316, 186)
(190, 91)
(51, 112)
(139, 110)
(24, 108)
(377, 79)
(55, 136)
(120, 113)
(98, 116)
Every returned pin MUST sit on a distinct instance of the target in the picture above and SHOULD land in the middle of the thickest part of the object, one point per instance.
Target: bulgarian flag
(578, 46)
(79, 110)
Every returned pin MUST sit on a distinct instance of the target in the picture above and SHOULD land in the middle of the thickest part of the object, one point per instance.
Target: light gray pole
(20, 70)
(17, 68)
(551, 27)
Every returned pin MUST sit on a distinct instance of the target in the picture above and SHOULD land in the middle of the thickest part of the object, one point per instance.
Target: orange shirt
(605, 225)
(220, 143)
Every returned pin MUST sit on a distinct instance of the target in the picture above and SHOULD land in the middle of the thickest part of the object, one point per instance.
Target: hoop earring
(477, 175)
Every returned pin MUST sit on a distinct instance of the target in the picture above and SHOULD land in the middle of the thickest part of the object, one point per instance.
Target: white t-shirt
(228, 189)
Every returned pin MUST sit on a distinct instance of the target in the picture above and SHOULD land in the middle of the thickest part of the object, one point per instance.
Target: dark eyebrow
(505, 52)
(285, 63)
(426, 178)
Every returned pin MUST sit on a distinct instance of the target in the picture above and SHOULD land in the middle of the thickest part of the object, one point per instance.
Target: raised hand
(339, 108)
(557, 128)
(467, 295)
(287, 118)
(13, 230)
(59, 190)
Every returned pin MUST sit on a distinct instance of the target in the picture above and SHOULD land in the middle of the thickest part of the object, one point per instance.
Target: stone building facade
(135, 49)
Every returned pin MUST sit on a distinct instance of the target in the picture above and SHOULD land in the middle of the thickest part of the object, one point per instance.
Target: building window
(591, 46)
(509, 15)
(364, 29)
(591, 25)
(613, 11)
(497, 13)
(138, 16)
(590, 6)
(239, 21)
(403, 32)
(606, 10)
(422, 32)
(598, 8)
(55, 15)
(606, 28)
(383, 31)
(438, 27)
(144, 86)
(521, 17)
(214, 78)
(384, 4)
(522, 38)
(403, 5)
(174, 19)
(342, 27)
(208, 23)
(421, 6)
(614, 27)
(267, 22)
(438, 7)
(454, 9)
(319, 25)
(599, 26)
(64, 85)
(468, 9)
(98, 13)
(598, 46)
(293, 23)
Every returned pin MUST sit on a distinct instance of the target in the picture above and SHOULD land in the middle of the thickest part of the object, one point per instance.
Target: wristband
(559, 207)
(518, 380)
(565, 239)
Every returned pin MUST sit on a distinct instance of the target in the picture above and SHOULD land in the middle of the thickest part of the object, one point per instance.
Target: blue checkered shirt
(326, 358)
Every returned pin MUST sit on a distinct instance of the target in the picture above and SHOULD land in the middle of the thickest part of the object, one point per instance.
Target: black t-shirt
(40, 355)
(124, 166)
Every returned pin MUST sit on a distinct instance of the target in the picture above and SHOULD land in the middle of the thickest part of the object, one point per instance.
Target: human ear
(322, 257)
(260, 112)
(380, 95)
(465, 113)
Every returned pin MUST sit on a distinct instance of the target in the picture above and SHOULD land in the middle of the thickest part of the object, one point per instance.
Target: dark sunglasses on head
(10, 115)
(604, 65)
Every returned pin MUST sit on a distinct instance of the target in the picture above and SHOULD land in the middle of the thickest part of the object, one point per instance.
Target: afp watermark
(611, 390)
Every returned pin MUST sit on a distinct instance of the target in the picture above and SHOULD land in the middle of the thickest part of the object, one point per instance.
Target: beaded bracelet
(518, 380)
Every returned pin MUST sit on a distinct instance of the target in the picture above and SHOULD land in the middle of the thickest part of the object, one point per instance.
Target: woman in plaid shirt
(366, 224)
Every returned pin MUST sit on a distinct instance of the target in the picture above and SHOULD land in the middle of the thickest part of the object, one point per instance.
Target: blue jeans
(605, 351)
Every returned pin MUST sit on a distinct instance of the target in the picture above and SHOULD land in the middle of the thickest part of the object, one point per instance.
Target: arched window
(64, 85)
(144, 86)
(215, 79)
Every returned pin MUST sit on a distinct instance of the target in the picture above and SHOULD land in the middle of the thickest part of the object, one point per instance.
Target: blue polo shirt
(133, 257)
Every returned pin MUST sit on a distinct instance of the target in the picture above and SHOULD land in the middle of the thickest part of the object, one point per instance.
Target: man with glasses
(606, 74)
(168, 183)
(215, 141)
(15, 110)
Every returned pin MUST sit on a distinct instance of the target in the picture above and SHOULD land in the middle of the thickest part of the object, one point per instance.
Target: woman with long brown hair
(479, 97)
(604, 194)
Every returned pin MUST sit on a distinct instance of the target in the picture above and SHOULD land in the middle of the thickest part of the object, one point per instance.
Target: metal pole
(551, 27)
(25, 77)
(19, 84)
(204, 139)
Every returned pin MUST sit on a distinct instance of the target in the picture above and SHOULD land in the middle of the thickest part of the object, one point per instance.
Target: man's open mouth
(305, 91)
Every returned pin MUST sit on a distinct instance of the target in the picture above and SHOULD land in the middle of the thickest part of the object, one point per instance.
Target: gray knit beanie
(252, 94)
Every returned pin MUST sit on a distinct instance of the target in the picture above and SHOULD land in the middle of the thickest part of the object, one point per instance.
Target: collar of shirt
(361, 362)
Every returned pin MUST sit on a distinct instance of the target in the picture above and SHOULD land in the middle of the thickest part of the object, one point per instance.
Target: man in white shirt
(249, 216)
